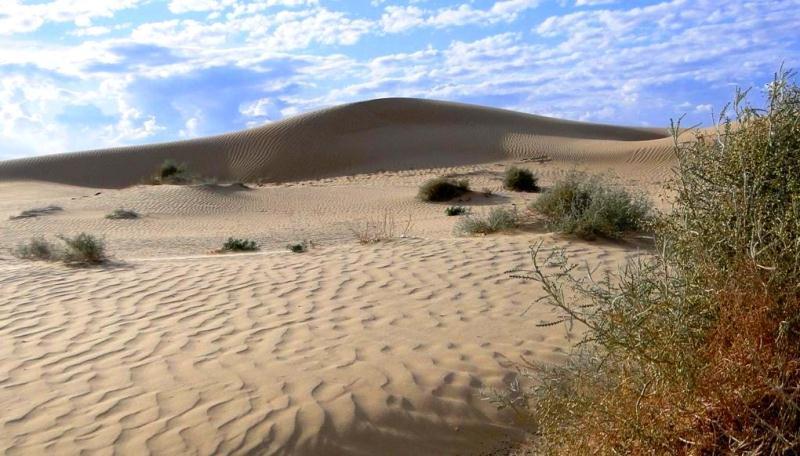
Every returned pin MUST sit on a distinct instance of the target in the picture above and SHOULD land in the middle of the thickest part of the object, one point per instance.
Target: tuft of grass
(36, 249)
(83, 250)
(380, 229)
(453, 211)
(498, 219)
(173, 173)
(591, 206)
(239, 245)
(520, 180)
(442, 189)
(694, 349)
(80, 250)
(36, 212)
(123, 214)
(298, 247)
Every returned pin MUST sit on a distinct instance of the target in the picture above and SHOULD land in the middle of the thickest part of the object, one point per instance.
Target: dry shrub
(442, 189)
(379, 229)
(695, 349)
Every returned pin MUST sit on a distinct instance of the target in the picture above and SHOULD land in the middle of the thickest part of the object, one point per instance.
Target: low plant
(453, 211)
(379, 229)
(36, 212)
(123, 214)
(36, 249)
(498, 219)
(298, 247)
(520, 180)
(83, 249)
(591, 206)
(442, 189)
(239, 245)
(171, 172)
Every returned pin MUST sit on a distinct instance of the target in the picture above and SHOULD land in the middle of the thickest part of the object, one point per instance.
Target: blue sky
(82, 74)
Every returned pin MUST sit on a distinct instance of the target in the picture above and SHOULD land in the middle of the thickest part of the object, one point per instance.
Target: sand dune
(366, 137)
(348, 349)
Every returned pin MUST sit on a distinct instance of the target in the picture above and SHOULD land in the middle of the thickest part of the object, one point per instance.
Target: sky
(85, 74)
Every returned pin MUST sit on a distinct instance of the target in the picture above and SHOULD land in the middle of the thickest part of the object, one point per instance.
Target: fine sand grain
(384, 348)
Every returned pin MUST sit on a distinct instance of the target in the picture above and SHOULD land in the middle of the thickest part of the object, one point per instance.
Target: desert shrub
(453, 211)
(83, 249)
(123, 214)
(298, 247)
(520, 180)
(591, 206)
(171, 172)
(696, 348)
(239, 245)
(36, 249)
(379, 229)
(498, 219)
(442, 189)
(36, 212)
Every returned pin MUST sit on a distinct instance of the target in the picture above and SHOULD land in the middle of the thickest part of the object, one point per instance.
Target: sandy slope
(347, 349)
(378, 135)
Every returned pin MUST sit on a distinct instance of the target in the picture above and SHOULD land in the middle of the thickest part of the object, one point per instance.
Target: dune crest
(378, 135)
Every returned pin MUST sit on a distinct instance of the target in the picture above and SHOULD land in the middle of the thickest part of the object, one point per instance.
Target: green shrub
(696, 348)
(36, 212)
(498, 219)
(442, 189)
(453, 211)
(298, 247)
(36, 249)
(239, 245)
(83, 249)
(123, 214)
(590, 206)
(520, 180)
(171, 172)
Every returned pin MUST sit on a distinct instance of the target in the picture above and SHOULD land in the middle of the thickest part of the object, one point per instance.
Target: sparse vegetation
(591, 206)
(298, 247)
(442, 189)
(498, 219)
(520, 180)
(171, 172)
(695, 349)
(453, 211)
(39, 211)
(123, 214)
(384, 228)
(81, 250)
(239, 245)
(36, 249)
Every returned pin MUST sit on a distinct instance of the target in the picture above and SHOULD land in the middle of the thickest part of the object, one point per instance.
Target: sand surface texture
(384, 348)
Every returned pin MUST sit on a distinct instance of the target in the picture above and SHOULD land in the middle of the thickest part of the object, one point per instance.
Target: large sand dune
(378, 135)
(348, 349)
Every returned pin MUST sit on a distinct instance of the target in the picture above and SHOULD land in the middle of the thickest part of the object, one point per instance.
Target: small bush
(520, 180)
(30, 213)
(498, 219)
(170, 172)
(453, 211)
(83, 249)
(442, 189)
(299, 247)
(239, 245)
(589, 206)
(35, 249)
(123, 214)
(380, 229)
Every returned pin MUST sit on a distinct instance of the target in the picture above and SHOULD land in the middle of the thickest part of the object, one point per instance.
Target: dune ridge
(378, 135)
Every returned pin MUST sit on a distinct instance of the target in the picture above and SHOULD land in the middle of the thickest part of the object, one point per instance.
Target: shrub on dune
(239, 245)
(590, 206)
(123, 214)
(442, 189)
(520, 180)
(453, 211)
(498, 219)
(171, 172)
(35, 249)
(80, 250)
(695, 349)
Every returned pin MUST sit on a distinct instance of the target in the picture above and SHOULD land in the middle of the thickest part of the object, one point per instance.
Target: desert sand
(385, 348)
